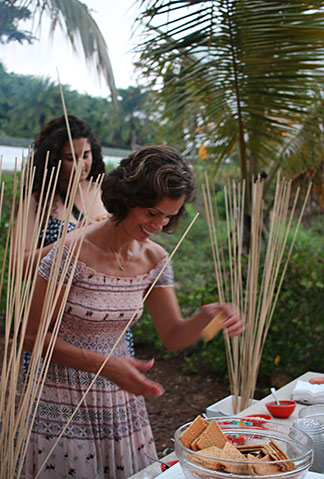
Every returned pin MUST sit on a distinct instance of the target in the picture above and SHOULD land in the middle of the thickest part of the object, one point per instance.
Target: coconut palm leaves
(246, 71)
(74, 19)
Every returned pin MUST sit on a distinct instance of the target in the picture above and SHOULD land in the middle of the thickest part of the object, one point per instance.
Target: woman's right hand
(126, 373)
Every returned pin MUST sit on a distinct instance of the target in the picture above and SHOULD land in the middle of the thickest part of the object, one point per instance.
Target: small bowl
(283, 410)
(296, 444)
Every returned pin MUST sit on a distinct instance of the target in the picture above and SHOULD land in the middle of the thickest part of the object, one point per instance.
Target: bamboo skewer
(16, 303)
(257, 298)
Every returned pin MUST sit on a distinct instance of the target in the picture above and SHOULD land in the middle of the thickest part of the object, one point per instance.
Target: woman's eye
(151, 213)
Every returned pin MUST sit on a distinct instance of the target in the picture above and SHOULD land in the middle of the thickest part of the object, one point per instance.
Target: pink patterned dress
(110, 433)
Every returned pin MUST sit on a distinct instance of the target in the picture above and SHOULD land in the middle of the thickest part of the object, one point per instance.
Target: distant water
(10, 154)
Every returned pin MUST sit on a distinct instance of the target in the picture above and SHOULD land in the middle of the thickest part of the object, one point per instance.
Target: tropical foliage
(295, 339)
(10, 16)
(73, 18)
(243, 78)
(27, 102)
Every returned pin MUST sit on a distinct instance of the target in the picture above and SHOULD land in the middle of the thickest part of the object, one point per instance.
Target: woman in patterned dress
(110, 434)
(53, 141)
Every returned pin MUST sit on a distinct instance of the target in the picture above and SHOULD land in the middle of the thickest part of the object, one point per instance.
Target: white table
(175, 472)
(283, 393)
(154, 470)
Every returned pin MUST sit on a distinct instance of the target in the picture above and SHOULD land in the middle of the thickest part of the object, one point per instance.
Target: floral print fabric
(110, 433)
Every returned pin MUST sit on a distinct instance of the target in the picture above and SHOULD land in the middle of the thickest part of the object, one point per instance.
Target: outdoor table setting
(258, 409)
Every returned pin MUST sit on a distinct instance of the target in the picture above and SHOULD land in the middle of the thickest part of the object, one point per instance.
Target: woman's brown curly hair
(144, 178)
(52, 138)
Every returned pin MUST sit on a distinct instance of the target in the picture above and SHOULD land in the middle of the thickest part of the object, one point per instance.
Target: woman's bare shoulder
(154, 251)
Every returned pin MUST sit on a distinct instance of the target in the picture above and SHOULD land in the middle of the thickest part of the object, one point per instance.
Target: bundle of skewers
(250, 265)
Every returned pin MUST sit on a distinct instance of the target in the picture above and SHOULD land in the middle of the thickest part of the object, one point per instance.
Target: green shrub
(295, 339)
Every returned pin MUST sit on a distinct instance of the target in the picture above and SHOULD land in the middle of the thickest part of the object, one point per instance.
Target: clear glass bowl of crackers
(242, 447)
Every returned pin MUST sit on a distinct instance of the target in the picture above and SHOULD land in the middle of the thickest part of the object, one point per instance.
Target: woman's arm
(176, 332)
(125, 372)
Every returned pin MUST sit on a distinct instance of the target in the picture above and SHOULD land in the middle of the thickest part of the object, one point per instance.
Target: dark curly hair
(144, 178)
(51, 140)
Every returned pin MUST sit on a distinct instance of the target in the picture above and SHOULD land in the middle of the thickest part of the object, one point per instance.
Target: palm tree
(32, 103)
(244, 78)
(10, 16)
(74, 19)
(239, 75)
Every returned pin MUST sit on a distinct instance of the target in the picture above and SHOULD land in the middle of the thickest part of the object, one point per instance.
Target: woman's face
(140, 223)
(80, 145)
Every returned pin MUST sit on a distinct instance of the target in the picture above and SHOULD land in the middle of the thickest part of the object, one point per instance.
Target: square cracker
(232, 454)
(278, 454)
(193, 431)
(212, 452)
(211, 436)
(262, 467)
(212, 327)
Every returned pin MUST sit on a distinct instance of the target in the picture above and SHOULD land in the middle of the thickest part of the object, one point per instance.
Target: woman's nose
(160, 223)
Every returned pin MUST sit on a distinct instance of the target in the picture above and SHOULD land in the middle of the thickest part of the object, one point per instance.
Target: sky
(45, 58)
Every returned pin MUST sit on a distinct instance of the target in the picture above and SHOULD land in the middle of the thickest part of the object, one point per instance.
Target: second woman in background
(53, 141)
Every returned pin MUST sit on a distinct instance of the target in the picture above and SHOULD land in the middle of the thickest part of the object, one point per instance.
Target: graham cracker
(193, 431)
(262, 467)
(232, 454)
(212, 452)
(212, 327)
(212, 436)
(250, 447)
(278, 454)
(193, 445)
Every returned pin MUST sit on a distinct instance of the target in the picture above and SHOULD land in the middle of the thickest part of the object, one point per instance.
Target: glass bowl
(316, 411)
(296, 444)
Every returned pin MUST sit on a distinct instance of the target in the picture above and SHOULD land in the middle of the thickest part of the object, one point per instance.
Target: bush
(296, 336)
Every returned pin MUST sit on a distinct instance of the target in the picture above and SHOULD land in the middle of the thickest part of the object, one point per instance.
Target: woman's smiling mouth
(149, 233)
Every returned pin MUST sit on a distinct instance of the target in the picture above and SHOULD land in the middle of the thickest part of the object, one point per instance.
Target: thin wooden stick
(218, 273)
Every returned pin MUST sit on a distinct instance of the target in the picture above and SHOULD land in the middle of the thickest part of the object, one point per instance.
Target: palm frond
(252, 64)
(74, 19)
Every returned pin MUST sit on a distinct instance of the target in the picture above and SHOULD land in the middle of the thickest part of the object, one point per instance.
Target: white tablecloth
(175, 472)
